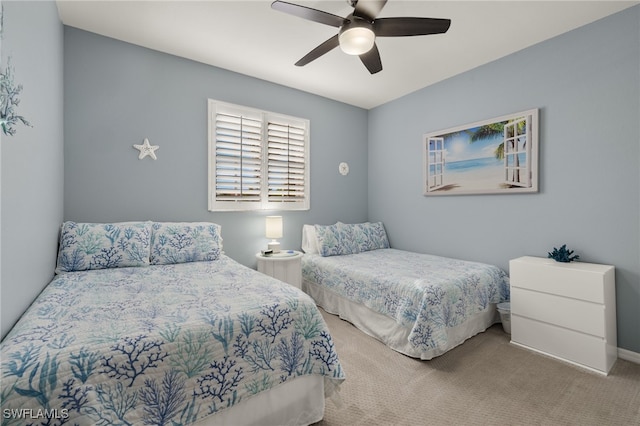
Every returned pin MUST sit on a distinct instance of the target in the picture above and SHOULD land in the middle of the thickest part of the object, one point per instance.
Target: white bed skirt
(295, 403)
(387, 330)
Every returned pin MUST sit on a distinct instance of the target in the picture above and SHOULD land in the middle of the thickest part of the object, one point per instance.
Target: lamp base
(275, 246)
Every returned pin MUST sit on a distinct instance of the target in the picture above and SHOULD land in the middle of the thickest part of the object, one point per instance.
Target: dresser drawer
(560, 342)
(573, 314)
(584, 281)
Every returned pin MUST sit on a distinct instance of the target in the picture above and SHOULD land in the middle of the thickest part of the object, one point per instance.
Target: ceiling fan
(359, 30)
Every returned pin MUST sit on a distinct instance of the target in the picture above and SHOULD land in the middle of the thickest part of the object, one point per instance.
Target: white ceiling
(249, 37)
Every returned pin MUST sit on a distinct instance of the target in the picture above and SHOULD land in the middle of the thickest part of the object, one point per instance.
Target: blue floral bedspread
(166, 344)
(425, 293)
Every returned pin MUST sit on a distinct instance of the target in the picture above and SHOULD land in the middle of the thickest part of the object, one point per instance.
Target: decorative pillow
(370, 236)
(86, 246)
(181, 242)
(335, 240)
(309, 239)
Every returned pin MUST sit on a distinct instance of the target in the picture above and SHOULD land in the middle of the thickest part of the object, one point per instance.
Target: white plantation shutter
(253, 165)
(238, 158)
(286, 162)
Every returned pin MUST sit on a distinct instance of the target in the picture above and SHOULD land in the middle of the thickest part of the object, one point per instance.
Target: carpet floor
(484, 381)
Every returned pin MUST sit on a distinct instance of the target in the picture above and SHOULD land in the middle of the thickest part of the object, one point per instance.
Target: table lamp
(274, 230)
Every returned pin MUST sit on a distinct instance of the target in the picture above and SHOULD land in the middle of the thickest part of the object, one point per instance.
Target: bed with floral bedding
(418, 304)
(150, 323)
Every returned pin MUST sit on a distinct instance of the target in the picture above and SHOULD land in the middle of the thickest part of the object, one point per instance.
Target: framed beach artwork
(496, 156)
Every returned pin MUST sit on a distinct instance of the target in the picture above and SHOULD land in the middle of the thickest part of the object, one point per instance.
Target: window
(517, 152)
(435, 163)
(257, 159)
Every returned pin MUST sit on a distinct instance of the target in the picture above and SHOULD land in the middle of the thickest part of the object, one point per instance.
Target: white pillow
(309, 239)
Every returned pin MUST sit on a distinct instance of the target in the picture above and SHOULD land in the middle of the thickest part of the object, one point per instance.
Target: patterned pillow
(181, 242)
(85, 246)
(370, 236)
(335, 240)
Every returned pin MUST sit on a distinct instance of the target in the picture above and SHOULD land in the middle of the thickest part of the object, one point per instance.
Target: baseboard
(629, 355)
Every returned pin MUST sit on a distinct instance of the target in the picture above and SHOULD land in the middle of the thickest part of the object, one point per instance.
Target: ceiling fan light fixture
(356, 39)
(359, 30)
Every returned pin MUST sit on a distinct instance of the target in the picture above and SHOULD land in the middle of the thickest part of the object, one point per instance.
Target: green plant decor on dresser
(563, 254)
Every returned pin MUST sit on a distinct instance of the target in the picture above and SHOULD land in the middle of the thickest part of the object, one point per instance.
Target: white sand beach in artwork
(481, 179)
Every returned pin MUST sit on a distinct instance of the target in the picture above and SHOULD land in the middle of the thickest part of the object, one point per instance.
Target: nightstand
(285, 266)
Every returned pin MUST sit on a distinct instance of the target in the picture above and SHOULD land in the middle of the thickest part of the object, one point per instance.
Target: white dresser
(565, 310)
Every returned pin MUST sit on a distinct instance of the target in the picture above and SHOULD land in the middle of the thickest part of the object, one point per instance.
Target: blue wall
(117, 94)
(586, 84)
(32, 159)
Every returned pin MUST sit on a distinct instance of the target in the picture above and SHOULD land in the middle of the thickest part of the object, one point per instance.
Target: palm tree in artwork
(497, 128)
(488, 131)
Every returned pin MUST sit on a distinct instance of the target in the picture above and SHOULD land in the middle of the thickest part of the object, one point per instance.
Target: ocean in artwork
(473, 164)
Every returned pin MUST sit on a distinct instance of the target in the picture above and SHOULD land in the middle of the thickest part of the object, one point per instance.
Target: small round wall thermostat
(343, 168)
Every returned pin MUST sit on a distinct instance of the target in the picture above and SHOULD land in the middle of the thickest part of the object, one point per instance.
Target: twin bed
(150, 323)
(417, 304)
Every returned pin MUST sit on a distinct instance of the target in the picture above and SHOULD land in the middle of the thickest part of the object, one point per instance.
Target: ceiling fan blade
(401, 27)
(309, 13)
(372, 60)
(325, 47)
(369, 9)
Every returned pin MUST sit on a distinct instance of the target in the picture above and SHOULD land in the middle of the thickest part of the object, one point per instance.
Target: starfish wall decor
(146, 149)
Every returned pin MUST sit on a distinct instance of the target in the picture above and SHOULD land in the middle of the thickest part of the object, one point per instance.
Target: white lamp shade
(274, 227)
(356, 40)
